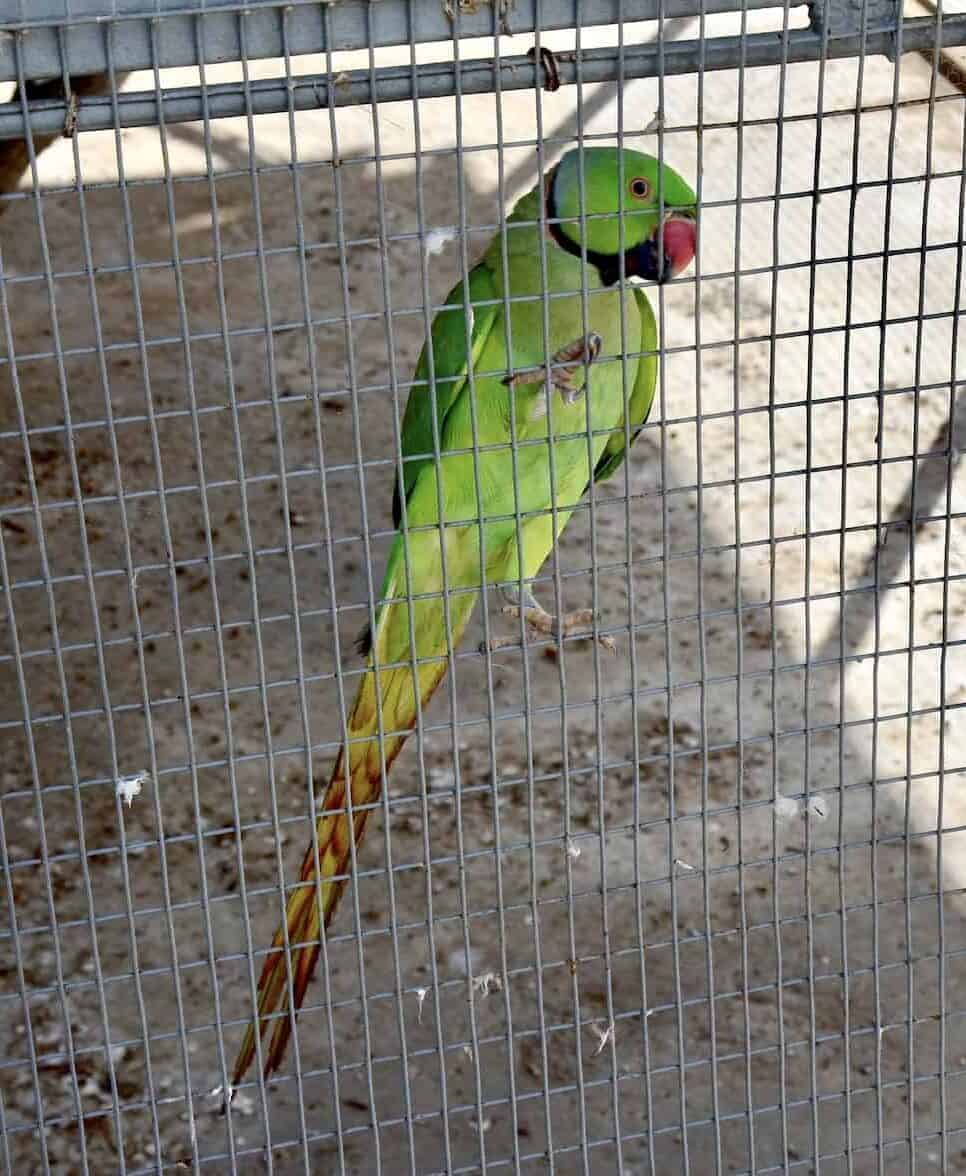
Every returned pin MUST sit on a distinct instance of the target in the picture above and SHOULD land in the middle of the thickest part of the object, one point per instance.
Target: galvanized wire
(430, 1097)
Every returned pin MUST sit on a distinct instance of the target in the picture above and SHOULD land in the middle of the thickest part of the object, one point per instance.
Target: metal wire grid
(477, 75)
(169, 1091)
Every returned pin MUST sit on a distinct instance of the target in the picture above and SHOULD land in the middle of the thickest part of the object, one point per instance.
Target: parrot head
(657, 207)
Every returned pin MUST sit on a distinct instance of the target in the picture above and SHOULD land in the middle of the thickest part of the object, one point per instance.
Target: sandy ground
(624, 955)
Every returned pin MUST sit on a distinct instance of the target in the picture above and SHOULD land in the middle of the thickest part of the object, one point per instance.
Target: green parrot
(497, 510)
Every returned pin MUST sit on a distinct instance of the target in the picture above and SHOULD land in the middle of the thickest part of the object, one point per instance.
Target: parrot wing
(641, 397)
(450, 367)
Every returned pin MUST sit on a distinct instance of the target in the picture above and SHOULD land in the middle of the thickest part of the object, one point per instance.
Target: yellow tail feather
(365, 754)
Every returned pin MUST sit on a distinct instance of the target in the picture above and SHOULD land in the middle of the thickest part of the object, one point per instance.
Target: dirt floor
(632, 926)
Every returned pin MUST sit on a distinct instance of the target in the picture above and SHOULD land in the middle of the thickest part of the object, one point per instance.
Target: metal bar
(350, 24)
(771, 992)
(700, 450)
(190, 386)
(524, 847)
(721, 996)
(825, 25)
(928, 487)
(477, 76)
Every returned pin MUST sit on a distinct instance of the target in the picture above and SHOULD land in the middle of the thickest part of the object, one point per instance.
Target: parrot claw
(574, 356)
(569, 394)
(565, 364)
(541, 621)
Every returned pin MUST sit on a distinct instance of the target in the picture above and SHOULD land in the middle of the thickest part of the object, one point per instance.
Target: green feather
(641, 399)
(450, 374)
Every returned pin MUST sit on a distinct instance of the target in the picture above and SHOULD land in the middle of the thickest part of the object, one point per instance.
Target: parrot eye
(640, 188)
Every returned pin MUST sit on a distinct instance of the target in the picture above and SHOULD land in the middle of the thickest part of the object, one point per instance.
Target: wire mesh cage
(676, 888)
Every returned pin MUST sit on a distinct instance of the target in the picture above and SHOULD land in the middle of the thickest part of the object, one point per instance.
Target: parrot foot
(566, 363)
(541, 621)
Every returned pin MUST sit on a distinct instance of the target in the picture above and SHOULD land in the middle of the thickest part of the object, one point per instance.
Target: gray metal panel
(355, 24)
(842, 17)
(440, 79)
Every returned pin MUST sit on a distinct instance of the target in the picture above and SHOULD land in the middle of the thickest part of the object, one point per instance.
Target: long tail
(364, 752)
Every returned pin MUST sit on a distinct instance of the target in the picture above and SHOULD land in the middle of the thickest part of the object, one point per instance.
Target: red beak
(679, 238)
